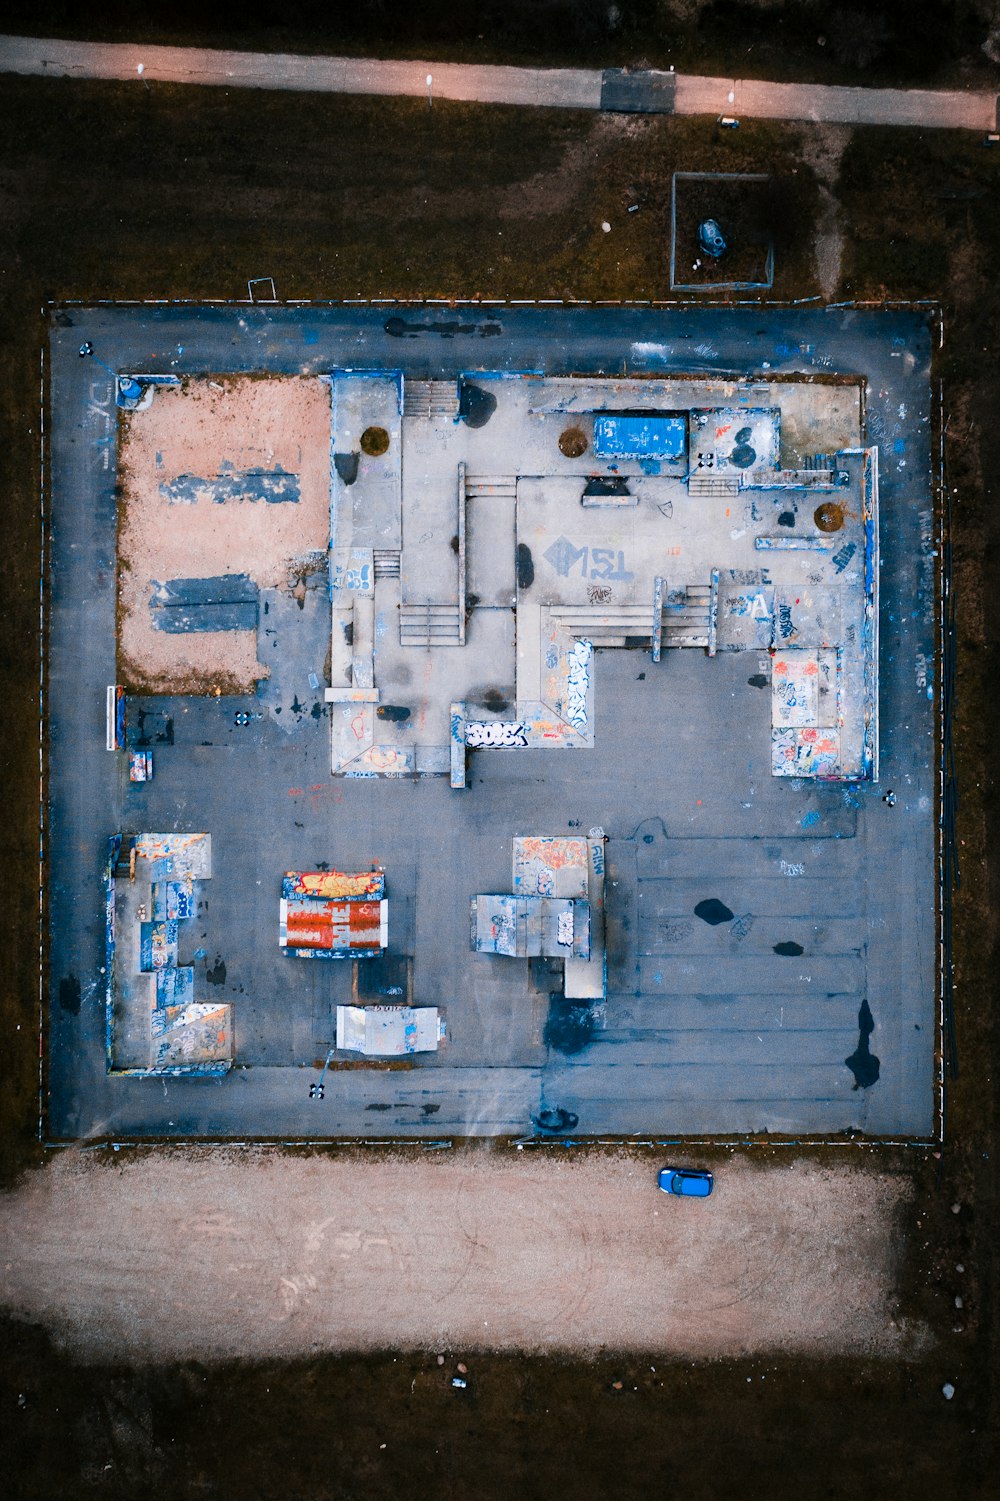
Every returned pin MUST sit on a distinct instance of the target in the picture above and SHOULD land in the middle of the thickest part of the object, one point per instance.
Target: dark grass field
(115, 191)
(742, 207)
(352, 1429)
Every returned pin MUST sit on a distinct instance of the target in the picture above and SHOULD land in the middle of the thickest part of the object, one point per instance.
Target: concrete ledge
(352, 695)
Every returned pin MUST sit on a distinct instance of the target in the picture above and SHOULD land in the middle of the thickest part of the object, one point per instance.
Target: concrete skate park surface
(766, 1020)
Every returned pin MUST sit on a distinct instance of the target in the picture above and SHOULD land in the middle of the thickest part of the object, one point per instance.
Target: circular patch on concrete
(744, 454)
(374, 441)
(829, 517)
(572, 442)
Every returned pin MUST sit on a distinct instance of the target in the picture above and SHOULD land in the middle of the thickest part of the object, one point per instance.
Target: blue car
(711, 239)
(686, 1181)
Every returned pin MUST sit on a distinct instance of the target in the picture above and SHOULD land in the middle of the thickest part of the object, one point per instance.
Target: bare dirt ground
(222, 1254)
(204, 431)
(823, 149)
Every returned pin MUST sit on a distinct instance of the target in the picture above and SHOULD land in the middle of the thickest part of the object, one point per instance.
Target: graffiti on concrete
(578, 683)
(595, 562)
(844, 556)
(499, 734)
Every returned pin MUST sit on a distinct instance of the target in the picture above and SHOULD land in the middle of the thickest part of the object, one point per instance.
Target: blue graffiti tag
(604, 562)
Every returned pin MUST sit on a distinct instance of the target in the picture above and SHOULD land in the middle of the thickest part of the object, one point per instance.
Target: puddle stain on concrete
(216, 973)
(496, 700)
(154, 728)
(712, 911)
(789, 950)
(569, 1027)
(525, 566)
(399, 328)
(69, 994)
(346, 465)
(554, 1120)
(862, 1062)
(475, 406)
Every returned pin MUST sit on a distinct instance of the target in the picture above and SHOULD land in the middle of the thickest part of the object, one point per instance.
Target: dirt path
(219, 1253)
(823, 149)
(574, 88)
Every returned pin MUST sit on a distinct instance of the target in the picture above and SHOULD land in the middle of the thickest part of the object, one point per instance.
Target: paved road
(938, 108)
(222, 1255)
(570, 88)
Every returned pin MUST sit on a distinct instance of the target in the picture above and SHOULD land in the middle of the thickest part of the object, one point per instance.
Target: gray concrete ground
(707, 1029)
(572, 88)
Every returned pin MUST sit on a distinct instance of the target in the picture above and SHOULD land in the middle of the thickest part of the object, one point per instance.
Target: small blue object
(710, 239)
(119, 717)
(686, 1182)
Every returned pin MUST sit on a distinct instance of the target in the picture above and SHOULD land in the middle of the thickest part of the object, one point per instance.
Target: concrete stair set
(491, 487)
(688, 617)
(713, 486)
(431, 398)
(431, 625)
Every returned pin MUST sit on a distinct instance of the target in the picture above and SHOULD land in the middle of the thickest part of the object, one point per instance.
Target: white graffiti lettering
(102, 411)
(578, 683)
(502, 734)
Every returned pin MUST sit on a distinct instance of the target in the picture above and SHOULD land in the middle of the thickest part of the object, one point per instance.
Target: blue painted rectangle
(227, 602)
(617, 435)
(219, 589)
(272, 485)
(180, 619)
